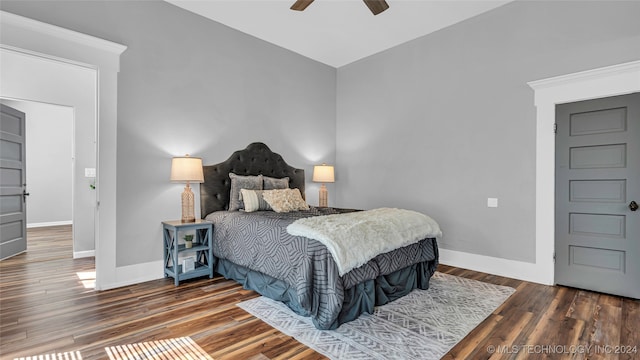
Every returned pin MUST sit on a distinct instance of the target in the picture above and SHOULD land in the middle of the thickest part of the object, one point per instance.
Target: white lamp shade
(187, 169)
(323, 173)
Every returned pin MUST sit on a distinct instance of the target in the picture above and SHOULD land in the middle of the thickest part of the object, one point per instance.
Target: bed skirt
(359, 299)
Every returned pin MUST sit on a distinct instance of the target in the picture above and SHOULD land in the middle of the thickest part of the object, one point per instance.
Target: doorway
(59, 45)
(31, 82)
(597, 186)
(591, 84)
(49, 133)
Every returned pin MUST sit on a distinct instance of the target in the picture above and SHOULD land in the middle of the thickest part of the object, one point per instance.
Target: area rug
(74, 355)
(423, 325)
(178, 348)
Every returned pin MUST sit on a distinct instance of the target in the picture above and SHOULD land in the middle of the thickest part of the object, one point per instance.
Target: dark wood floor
(46, 307)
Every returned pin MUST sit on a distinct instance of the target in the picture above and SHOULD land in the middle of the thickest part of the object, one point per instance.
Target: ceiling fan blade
(301, 5)
(376, 6)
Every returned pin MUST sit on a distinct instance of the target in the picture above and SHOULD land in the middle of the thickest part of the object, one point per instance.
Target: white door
(597, 191)
(13, 211)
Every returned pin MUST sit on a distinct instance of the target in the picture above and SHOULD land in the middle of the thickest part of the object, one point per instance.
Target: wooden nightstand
(172, 231)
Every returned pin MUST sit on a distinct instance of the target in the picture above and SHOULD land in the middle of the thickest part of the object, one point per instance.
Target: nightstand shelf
(202, 248)
(182, 247)
(200, 270)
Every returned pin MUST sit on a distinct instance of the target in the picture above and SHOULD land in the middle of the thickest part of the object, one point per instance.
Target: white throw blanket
(355, 238)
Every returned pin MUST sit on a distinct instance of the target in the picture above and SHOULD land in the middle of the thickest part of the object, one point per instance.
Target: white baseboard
(497, 266)
(135, 274)
(52, 223)
(84, 254)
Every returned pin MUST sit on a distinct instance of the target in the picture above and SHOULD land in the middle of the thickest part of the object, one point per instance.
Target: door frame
(585, 85)
(55, 43)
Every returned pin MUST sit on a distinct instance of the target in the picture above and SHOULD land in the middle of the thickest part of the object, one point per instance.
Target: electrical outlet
(492, 202)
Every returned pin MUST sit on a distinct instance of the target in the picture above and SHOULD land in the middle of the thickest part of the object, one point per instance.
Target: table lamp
(323, 174)
(187, 169)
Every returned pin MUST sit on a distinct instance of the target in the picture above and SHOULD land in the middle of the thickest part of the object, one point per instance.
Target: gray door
(597, 237)
(13, 212)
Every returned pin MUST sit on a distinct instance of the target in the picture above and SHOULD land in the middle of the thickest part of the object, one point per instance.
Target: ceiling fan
(376, 6)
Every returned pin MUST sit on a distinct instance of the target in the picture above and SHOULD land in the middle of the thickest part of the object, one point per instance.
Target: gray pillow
(242, 182)
(270, 183)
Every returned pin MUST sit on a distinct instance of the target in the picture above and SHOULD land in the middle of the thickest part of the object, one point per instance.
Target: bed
(255, 249)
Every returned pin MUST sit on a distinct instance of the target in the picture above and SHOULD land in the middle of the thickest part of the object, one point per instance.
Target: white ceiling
(337, 32)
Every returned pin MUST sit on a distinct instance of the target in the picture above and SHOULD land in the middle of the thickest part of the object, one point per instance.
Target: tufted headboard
(256, 159)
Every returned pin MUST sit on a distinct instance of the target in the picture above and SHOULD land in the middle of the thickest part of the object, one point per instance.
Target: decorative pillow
(270, 183)
(242, 182)
(285, 200)
(253, 200)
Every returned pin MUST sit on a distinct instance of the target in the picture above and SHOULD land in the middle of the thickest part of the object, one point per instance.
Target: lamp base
(323, 196)
(188, 215)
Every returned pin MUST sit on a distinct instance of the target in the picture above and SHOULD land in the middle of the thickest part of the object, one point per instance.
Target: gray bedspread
(259, 241)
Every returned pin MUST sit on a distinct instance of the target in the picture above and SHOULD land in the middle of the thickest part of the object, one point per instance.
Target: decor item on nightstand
(186, 169)
(323, 174)
(188, 264)
(188, 241)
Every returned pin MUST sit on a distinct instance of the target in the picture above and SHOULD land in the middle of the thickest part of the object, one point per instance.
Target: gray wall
(49, 131)
(437, 124)
(443, 122)
(190, 85)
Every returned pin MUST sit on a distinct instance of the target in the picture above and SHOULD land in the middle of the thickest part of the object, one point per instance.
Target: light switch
(492, 202)
(90, 172)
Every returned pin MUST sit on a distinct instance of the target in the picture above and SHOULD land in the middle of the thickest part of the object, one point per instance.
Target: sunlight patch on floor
(87, 278)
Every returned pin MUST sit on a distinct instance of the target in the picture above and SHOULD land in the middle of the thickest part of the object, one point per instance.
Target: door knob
(633, 206)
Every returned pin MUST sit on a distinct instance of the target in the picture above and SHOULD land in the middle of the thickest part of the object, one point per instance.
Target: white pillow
(253, 200)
